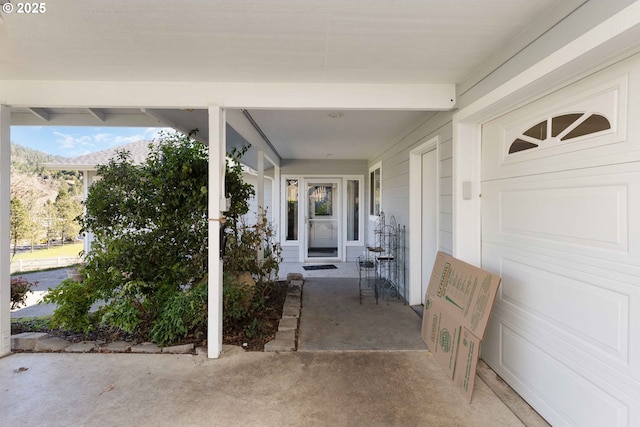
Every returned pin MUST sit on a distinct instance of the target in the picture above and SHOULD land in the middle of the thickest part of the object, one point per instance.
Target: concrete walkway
(405, 388)
(357, 365)
(333, 319)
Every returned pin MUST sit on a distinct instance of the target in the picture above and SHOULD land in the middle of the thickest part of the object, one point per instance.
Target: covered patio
(417, 108)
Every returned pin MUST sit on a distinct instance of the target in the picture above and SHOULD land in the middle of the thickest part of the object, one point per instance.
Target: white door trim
(305, 228)
(415, 217)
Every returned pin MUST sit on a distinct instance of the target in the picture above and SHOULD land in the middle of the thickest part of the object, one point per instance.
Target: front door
(322, 219)
(429, 215)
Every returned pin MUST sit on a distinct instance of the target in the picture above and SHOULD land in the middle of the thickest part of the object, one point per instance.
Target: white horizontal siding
(395, 178)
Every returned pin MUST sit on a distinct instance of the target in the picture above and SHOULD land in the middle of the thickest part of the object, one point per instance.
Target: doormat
(319, 267)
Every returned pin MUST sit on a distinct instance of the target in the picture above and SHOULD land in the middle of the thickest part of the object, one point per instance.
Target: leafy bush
(183, 314)
(73, 299)
(243, 305)
(246, 242)
(150, 238)
(20, 288)
(148, 262)
(237, 298)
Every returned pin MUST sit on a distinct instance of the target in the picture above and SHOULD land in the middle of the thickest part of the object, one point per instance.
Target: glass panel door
(323, 219)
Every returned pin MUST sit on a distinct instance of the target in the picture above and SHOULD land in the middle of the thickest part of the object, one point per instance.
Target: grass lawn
(68, 250)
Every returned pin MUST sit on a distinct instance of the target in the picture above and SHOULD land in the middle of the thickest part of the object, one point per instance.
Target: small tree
(237, 189)
(50, 221)
(19, 222)
(67, 211)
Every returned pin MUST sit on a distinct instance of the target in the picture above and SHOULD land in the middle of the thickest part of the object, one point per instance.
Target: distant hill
(25, 159)
(33, 183)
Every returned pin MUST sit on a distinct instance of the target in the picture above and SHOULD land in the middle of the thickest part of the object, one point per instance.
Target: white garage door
(561, 225)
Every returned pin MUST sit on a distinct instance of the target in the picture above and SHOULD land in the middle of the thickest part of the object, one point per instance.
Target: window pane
(595, 123)
(520, 145)
(292, 210)
(375, 193)
(560, 123)
(353, 210)
(321, 200)
(538, 131)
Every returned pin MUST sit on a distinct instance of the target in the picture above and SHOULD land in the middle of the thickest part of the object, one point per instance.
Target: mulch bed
(254, 338)
(250, 334)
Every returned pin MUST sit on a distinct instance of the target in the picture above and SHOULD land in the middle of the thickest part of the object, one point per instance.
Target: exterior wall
(524, 52)
(252, 215)
(290, 253)
(353, 252)
(395, 180)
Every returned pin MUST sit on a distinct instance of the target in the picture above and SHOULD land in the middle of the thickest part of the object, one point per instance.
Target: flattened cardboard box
(456, 313)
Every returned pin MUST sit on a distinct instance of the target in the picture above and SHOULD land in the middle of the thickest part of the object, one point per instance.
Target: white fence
(24, 265)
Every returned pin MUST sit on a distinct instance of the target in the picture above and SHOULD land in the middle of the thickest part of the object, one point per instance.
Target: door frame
(416, 269)
(338, 216)
(346, 247)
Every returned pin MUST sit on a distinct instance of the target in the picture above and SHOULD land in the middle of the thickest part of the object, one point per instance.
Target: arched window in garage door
(565, 127)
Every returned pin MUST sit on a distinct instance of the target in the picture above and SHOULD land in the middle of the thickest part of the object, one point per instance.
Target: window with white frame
(291, 217)
(375, 189)
(562, 128)
(353, 210)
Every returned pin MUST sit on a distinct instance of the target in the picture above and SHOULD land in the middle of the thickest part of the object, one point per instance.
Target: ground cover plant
(147, 268)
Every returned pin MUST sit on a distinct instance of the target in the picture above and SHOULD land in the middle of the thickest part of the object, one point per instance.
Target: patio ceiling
(407, 42)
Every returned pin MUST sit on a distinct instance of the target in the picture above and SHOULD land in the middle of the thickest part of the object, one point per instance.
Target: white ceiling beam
(241, 124)
(41, 113)
(80, 94)
(166, 122)
(97, 113)
(83, 119)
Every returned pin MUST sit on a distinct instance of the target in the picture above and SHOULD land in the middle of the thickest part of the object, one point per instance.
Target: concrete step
(26, 341)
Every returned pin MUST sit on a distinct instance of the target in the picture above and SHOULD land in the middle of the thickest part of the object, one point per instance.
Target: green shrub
(150, 227)
(237, 299)
(243, 246)
(150, 250)
(253, 329)
(183, 314)
(73, 300)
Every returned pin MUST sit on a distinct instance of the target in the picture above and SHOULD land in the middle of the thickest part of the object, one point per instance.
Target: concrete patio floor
(333, 319)
(402, 388)
(357, 365)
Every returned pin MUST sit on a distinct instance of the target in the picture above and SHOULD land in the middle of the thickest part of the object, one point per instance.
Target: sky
(72, 141)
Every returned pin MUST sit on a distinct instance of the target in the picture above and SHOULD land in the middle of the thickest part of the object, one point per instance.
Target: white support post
(89, 177)
(217, 203)
(5, 241)
(260, 191)
(275, 196)
(467, 226)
